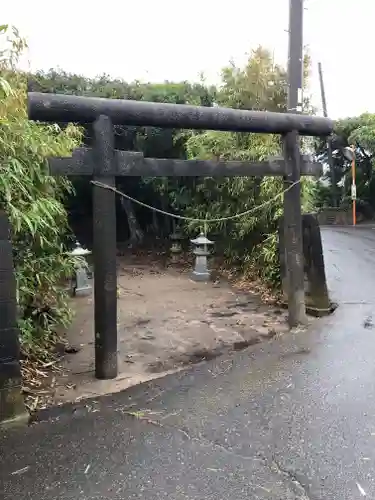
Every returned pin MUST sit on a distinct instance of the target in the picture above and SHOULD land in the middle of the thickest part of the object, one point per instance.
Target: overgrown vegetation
(250, 242)
(33, 201)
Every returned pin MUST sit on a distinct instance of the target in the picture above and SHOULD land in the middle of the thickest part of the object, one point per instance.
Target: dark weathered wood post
(292, 198)
(11, 399)
(293, 236)
(104, 230)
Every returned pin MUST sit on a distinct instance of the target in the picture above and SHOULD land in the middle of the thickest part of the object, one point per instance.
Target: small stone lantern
(201, 252)
(176, 248)
(80, 281)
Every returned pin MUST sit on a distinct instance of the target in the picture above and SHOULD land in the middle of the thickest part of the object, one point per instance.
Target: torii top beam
(79, 109)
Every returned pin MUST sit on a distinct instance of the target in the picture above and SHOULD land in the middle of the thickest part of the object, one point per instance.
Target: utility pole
(354, 189)
(329, 139)
(295, 56)
(322, 90)
(292, 198)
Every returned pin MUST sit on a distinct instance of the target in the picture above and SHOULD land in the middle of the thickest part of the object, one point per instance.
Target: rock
(223, 314)
(71, 349)
(147, 336)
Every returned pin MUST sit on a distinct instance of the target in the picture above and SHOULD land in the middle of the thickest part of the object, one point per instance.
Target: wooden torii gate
(104, 163)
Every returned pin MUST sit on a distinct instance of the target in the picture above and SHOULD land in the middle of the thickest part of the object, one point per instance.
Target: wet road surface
(289, 419)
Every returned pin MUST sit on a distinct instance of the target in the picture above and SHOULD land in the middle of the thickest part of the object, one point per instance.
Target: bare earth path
(165, 321)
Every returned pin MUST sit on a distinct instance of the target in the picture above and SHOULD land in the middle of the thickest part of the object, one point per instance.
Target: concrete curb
(347, 226)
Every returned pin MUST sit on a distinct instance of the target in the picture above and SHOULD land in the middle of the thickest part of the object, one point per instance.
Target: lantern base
(203, 276)
(175, 258)
(82, 292)
(80, 285)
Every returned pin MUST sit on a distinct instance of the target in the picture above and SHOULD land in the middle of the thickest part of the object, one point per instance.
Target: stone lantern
(80, 281)
(176, 248)
(201, 252)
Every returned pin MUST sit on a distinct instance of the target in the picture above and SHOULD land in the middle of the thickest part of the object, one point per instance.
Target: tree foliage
(33, 201)
(360, 133)
(251, 241)
(152, 141)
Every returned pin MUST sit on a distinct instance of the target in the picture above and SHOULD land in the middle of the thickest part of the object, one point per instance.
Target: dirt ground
(166, 321)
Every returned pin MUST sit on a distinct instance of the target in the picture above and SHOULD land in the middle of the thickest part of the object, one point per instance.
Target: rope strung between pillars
(206, 221)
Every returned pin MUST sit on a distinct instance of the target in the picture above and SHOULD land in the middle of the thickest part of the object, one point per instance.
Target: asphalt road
(289, 419)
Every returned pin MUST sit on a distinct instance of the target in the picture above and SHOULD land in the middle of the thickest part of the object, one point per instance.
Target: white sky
(157, 40)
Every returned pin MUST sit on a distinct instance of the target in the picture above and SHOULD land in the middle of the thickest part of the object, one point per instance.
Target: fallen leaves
(39, 382)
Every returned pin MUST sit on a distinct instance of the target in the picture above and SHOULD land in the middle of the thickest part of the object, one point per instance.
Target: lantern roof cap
(79, 251)
(202, 240)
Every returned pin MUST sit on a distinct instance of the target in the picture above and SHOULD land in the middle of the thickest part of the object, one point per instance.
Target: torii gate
(105, 163)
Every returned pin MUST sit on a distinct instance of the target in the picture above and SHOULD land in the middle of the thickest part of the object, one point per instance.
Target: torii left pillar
(101, 163)
(12, 407)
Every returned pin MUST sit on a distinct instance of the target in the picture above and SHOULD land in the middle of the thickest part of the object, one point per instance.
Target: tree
(33, 201)
(261, 85)
(152, 141)
(360, 133)
(244, 238)
(250, 241)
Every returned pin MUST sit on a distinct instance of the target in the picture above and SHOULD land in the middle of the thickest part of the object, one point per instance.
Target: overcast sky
(158, 40)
